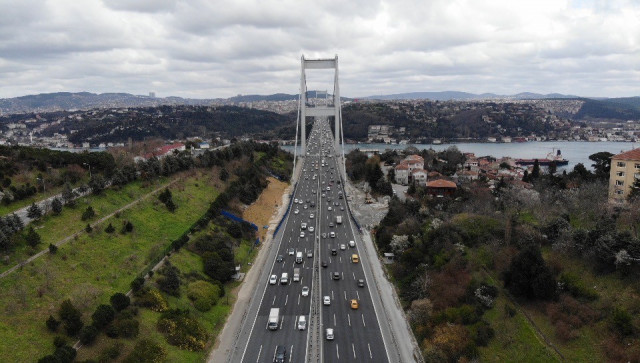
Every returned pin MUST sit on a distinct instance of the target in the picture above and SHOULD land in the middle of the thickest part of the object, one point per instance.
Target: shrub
(52, 323)
(127, 328)
(34, 211)
(32, 238)
(88, 228)
(203, 294)
(59, 341)
(110, 228)
(53, 248)
(621, 322)
(153, 300)
(481, 333)
(56, 206)
(528, 276)
(65, 354)
(182, 330)
(119, 301)
(71, 317)
(88, 334)
(110, 353)
(146, 351)
(103, 315)
(88, 213)
(169, 282)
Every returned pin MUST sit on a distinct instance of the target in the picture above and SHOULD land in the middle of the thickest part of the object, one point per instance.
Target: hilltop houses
(162, 152)
(405, 169)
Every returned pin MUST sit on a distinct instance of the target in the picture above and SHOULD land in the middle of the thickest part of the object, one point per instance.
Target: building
(441, 188)
(406, 167)
(625, 169)
(419, 176)
(402, 174)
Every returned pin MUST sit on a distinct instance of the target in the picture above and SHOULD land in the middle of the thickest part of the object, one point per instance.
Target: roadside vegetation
(76, 291)
(502, 272)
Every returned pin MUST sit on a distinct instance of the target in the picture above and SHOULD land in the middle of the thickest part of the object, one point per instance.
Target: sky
(212, 49)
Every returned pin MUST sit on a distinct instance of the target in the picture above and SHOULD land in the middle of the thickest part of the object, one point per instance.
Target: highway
(316, 202)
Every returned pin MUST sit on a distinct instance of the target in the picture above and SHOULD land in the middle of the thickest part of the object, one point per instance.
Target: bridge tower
(331, 108)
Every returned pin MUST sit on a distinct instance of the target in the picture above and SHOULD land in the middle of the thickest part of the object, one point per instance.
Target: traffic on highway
(316, 258)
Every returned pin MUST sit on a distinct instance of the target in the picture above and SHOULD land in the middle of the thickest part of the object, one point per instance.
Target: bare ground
(263, 209)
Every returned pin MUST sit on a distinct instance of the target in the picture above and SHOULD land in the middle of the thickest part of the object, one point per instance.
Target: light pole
(89, 165)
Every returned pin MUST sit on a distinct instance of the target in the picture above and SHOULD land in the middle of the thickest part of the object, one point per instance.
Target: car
(300, 201)
(301, 234)
(343, 246)
(336, 276)
(324, 264)
(311, 229)
(302, 322)
(313, 205)
(295, 201)
(360, 282)
(326, 300)
(310, 254)
(354, 304)
(354, 258)
(296, 211)
(281, 354)
(305, 290)
(334, 252)
(336, 203)
(331, 224)
(341, 208)
(279, 258)
(324, 235)
(324, 195)
(352, 243)
(305, 207)
(292, 251)
(312, 216)
(273, 280)
(333, 235)
(330, 209)
(303, 226)
(329, 334)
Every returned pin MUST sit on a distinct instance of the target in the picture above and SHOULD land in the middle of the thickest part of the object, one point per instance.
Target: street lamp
(89, 165)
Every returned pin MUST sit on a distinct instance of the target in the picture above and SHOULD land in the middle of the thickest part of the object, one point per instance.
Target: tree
(71, 317)
(110, 228)
(88, 334)
(56, 206)
(53, 248)
(33, 238)
(602, 164)
(525, 176)
(224, 174)
(68, 195)
(169, 282)
(391, 175)
(52, 323)
(137, 283)
(119, 301)
(635, 190)
(529, 276)
(88, 228)
(97, 184)
(34, 212)
(553, 167)
(88, 213)
(535, 173)
(412, 188)
(103, 316)
(216, 268)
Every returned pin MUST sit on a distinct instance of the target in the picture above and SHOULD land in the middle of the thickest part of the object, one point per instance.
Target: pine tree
(88, 213)
(535, 173)
(34, 212)
(32, 237)
(110, 228)
(88, 228)
(68, 196)
(56, 206)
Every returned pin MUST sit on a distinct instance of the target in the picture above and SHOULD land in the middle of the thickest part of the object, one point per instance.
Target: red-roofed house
(406, 166)
(402, 174)
(419, 176)
(162, 152)
(625, 169)
(441, 187)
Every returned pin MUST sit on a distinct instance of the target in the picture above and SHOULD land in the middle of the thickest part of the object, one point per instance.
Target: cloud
(203, 48)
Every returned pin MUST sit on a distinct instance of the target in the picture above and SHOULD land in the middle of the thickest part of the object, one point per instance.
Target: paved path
(69, 238)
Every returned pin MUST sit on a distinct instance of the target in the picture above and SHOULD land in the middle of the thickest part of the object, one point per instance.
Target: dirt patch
(263, 209)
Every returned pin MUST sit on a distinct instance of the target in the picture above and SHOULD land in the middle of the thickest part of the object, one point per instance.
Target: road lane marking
(349, 319)
(370, 355)
(332, 298)
(345, 295)
(358, 294)
(282, 322)
(290, 353)
(354, 350)
(354, 275)
(286, 299)
(274, 300)
(337, 351)
(334, 320)
(363, 323)
(259, 351)
(298, 299)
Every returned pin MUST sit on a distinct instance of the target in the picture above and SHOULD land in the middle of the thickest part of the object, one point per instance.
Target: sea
(574, 151)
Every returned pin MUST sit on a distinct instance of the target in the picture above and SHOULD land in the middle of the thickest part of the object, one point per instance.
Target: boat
(551, 158)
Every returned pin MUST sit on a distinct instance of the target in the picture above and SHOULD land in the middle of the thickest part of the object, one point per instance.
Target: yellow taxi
(354, 304)
(354, 258)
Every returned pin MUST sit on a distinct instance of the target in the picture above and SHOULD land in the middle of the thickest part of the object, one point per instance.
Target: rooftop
(628, 155)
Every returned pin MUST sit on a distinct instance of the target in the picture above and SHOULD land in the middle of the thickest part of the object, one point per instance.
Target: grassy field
(213, 320)
(54, 228)
(88, 270)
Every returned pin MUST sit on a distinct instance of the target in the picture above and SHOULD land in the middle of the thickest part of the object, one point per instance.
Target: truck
(274, 319)
(338, 219)
(296, 274)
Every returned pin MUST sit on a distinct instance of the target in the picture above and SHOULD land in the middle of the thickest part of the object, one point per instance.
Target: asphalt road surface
(357, 334)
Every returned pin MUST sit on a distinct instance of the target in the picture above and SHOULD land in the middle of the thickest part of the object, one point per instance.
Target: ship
(551, 158)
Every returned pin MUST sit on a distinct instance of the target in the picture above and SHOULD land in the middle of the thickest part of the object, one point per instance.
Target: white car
(301, 234)
(330, 208)
(343, 247)
(273, 280)
(305, 290)
(311, 229)
(296, 211)
(295, 201)
(329, 334)
(333, 235)
(326, 300)
(312, 216)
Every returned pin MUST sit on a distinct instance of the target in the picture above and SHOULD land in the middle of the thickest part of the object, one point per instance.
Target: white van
(298, 257)
(284, 279)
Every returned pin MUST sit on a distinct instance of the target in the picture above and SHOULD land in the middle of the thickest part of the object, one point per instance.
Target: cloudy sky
(210, 48)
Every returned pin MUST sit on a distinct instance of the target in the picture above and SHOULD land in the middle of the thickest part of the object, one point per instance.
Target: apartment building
(625, 169)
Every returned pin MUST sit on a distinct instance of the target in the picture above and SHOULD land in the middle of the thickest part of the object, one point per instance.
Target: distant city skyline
(209, 49)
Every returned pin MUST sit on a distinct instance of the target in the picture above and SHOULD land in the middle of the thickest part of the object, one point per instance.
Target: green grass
(6, 209)
(54, 228)
(88, 270)
(515, 339)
